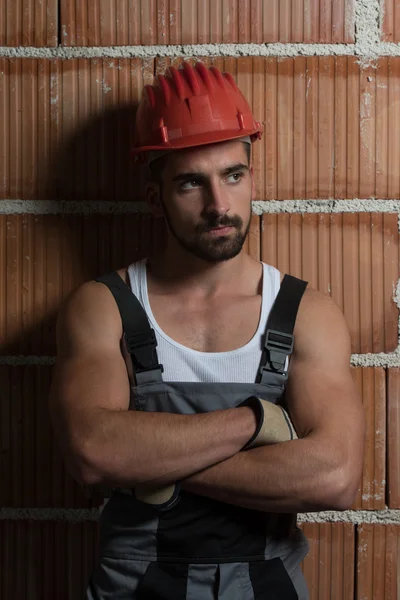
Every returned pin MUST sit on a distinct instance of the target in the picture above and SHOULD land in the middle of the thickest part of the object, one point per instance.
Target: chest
(208, 326)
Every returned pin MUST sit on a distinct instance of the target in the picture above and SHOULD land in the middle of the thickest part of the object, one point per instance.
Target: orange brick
(352, 257)
(329, 126)
(66, 128)
(329, 565)
(390, 20)
(33, 471)
(44, 257)
(253, 242)
(46, 560)
(393, 433)
(28, 22)
(378, 559)
(371, 383)
(122, 22)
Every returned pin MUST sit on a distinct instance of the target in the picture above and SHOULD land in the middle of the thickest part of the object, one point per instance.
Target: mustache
(213, 222)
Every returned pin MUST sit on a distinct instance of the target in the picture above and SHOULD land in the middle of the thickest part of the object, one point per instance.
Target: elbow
(342, 498)
(87, 458)
(85, 475)
(341, 490)
(87, 465)
(84, 471)
(95, 463)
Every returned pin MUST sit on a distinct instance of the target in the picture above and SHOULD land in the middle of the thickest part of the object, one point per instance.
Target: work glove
(273, 423)
(160, 498)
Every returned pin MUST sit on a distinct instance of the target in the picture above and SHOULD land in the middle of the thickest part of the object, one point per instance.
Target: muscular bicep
(322, 397)
(90, 373)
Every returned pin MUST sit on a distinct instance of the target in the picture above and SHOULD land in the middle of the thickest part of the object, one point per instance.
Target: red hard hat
(192, 106)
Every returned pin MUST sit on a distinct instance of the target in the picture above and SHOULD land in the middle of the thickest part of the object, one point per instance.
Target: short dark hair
(157, 166)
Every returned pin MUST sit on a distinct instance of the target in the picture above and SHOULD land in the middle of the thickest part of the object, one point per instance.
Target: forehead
(207, 159)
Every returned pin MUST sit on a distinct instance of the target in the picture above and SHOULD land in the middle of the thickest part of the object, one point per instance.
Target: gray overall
(200, 549)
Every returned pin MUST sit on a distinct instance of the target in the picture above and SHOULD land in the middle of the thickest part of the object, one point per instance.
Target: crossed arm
(105, 443)
(321, 470)
(102, 441)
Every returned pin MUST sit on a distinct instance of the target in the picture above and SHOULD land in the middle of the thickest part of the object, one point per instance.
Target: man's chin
(218, 253)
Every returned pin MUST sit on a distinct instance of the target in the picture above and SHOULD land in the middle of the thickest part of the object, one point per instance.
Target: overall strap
(139, 336)
(278, 343)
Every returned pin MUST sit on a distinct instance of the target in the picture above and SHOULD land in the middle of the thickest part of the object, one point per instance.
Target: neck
(178, 268)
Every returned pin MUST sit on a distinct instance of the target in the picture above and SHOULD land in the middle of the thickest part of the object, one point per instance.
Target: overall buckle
(279, 346)
(142, 348)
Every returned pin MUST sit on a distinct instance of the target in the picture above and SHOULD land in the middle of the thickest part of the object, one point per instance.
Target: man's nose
(217, 200)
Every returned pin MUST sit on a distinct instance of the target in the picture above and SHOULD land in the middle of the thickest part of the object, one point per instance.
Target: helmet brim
(200, 140)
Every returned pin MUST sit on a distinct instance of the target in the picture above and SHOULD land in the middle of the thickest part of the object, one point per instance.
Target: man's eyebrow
(187, 175)
(235, 168)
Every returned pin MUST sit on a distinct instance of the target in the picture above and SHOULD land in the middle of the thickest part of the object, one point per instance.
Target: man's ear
(253, 183)
(153, 198)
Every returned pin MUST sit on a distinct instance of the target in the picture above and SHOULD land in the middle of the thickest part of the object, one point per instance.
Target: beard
(219, 249)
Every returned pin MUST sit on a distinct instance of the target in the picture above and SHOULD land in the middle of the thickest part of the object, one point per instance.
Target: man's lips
(220, 230)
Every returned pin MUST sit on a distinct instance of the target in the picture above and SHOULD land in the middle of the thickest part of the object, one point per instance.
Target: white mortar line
(357, 517)
(355, 205)
(23, 361)
(56, 207)
(176, 51)
(201, 51)
(71, 515)
(80, 515)
(367, 28)
(389, 49)
(68, 207)
(380, 359)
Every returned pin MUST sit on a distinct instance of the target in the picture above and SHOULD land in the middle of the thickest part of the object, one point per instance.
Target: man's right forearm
(124, 448)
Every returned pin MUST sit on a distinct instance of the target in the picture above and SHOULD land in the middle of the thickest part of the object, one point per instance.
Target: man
(179, 395)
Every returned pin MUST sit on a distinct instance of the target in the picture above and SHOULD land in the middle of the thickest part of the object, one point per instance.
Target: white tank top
(184, 364)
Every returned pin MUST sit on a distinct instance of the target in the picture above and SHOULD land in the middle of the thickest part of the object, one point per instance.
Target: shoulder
(320, 327)
(317, 310)
(90, 297)
(313, 300)
(318, 306)
(89, 315)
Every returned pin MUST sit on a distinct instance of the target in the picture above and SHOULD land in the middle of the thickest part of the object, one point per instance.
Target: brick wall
(323, 76)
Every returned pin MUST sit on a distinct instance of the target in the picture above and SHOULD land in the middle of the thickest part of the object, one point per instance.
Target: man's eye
(234, 177)
(190, 185)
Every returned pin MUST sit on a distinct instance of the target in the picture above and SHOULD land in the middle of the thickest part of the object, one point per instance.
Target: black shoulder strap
(278, 344)
(139, 336)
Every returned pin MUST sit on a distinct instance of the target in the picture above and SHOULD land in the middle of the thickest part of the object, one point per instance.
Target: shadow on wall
(47, 257)
(96, 164)
(62, 251)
